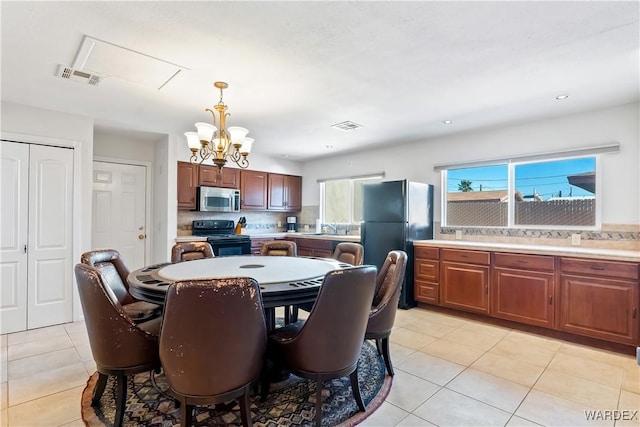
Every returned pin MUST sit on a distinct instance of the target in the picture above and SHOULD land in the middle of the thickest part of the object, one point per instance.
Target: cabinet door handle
(550, 299)
(635, 312)
(521, 261)
(486, 289)
(593, 267)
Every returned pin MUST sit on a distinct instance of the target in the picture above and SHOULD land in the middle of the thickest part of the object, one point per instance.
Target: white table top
(265, 269)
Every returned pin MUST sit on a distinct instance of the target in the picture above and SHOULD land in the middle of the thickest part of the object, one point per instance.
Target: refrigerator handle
(362, 233)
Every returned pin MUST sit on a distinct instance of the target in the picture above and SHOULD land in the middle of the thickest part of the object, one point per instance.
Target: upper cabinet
(253, 190)
(187, 185)
(285, 192)
(211, 176)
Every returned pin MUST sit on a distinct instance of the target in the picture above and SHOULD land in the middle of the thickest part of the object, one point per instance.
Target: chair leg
(99, 389)
(355, 387)
(319, 386)
(386, 355)
(121, 398)
(245, 409)
(294, 313)
(378, 345)
(186, 414)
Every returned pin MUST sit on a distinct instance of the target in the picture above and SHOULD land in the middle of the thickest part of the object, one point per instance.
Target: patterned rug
(290, 402)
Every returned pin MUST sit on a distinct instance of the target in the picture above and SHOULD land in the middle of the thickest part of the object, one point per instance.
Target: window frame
(352, 180)
(511, 166)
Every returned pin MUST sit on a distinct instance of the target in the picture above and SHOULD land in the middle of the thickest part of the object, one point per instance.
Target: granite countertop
(336, 237)
(610, 254)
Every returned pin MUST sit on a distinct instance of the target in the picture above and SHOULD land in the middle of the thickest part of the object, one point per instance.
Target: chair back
(279, 248)
(113, 269)
(351, 253)
(332, 336)
(214, 336)
(187, 251)
(388, 288)
(116, 342)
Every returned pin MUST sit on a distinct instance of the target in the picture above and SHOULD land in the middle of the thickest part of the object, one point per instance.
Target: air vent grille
(346, 126)
(69, 73)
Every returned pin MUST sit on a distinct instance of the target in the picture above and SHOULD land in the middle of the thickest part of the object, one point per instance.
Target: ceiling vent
(346, 126)
(69, 73)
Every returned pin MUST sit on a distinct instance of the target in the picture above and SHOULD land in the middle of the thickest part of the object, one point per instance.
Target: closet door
(14, 182)
(50, 253)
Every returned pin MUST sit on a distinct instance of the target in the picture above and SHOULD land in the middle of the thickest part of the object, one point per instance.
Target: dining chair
(114, 273)
(385, 303)
(279, 248)
(213, 342)
(347, 252)
(328, 344)
(187, 251)
(119, 346)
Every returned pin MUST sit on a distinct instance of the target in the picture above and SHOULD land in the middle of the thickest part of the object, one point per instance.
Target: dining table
(284, 281)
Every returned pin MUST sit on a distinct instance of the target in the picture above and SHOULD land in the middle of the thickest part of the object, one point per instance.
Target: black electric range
(219, 233)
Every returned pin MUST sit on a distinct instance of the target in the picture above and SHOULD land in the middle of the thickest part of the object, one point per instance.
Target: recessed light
(561, 97)
(447, 122)
(328, 147)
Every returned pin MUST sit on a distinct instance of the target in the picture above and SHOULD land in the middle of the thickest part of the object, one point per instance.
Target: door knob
(141, 236)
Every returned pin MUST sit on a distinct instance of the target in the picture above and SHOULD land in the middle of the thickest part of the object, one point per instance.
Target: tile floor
(449, 371)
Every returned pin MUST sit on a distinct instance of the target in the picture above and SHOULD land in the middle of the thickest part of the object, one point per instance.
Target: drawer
(427, 270)
(468, 257)
(426, 292)
(620, 270)
(426, 252)
(527, 262)
(314, 243)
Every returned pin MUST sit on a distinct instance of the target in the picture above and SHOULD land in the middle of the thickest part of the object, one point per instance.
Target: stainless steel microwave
(215, 199)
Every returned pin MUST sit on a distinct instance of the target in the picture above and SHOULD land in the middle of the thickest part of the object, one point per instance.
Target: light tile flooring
(449, 371)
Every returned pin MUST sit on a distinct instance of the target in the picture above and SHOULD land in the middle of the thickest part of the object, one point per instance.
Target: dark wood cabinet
(426, 277)
(314, 247)
(253, 190)
(465, 280)
(187, 185)
(285, 192)
(600, 299)
(212, 176)
(256, 243)
(522, 288)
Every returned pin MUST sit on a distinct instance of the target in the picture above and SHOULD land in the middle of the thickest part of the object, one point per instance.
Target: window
(341, 199)
(549, 193)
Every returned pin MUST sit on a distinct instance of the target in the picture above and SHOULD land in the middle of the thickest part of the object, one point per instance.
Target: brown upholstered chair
(385, 303)
(349, 252)
(119, 346)
(279, 248)
(328, 344)
(114, 273)
(213, 342)
(187, 251)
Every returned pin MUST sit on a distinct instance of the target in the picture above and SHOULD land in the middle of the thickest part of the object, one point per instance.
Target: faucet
(333, 226)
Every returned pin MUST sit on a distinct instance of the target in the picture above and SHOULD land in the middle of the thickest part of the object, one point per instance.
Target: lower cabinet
(600, 299)
(465, 280)
(314, 247)
(522, 288)
(588, 297)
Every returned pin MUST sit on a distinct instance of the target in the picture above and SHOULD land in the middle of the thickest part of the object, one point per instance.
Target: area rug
(290, 402)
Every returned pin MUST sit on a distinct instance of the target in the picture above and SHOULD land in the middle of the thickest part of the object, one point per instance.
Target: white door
(50, 265)
(119, 211)
(36, 217)
(14, 176)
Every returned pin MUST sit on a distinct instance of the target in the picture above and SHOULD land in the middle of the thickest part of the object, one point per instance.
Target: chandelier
(219, 144)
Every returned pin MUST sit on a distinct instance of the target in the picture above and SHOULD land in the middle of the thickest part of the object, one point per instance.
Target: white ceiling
(296, 68)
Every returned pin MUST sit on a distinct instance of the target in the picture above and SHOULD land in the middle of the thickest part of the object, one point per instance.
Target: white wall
(415, 161)
(33, 124)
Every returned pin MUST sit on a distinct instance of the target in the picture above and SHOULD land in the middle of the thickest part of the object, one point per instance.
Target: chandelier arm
(213, 115)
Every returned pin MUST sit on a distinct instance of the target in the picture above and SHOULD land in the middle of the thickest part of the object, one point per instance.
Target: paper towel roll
(318, 226)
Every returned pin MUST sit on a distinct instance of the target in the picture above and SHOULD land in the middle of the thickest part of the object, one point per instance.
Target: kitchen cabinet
(285, 192)
(314, 247)
(522, 288)
(256, 243)
(253, 190)
(187, 185)
(465, 280)
(212, 176)
(426, 277)
(599, 299)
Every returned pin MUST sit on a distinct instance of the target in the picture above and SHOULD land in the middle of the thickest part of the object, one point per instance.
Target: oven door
(230, 247)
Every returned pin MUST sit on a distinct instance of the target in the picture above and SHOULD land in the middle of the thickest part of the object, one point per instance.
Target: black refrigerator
(394, 214)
